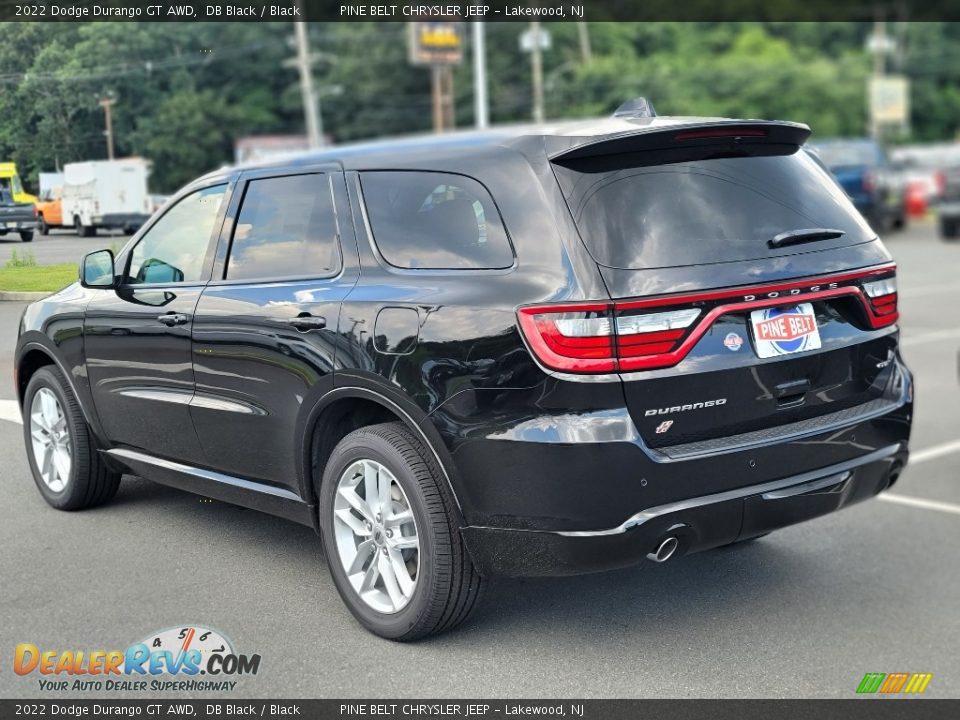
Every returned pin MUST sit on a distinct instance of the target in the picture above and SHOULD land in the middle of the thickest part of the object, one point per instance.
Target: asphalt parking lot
(802, 613)
(60, 246)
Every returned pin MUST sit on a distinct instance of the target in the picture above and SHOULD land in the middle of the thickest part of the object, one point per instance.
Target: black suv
(529, 351)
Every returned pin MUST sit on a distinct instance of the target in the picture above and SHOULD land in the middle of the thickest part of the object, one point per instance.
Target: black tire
(949, 228)
(83, 230)
(42, 226)
(900, 222)
(448, 587)
(26, 235)
(90, 482)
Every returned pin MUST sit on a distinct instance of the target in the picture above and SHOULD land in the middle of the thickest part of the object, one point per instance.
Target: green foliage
(21, 260)
(185, 91)
(37, 278)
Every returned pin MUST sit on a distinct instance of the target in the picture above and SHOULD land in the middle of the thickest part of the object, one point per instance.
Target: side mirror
(96, 270)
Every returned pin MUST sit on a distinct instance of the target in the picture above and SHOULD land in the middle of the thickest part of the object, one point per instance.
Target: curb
(8, 295)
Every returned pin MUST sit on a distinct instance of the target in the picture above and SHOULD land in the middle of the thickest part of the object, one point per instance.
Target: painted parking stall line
(932, 453)
(921, 503)
(10, 411)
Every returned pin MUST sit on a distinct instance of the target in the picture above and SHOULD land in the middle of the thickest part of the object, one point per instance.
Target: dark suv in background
(529, 351)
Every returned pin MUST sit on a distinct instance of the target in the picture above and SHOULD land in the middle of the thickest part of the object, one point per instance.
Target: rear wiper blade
(795, 237)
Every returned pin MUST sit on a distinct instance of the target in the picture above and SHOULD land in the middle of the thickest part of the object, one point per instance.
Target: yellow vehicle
(10, 181)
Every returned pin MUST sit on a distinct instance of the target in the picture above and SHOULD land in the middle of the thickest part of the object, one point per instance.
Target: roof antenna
(637, 108)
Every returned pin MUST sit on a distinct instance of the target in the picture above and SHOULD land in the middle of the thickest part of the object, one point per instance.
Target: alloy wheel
(376, 536)
(52, 449)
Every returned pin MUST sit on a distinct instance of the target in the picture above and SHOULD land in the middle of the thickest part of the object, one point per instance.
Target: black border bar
(873, 708)
(488, 10)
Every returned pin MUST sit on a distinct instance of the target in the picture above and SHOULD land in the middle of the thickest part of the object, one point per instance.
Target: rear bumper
(18, 225)
(698, 523)
(120, 220)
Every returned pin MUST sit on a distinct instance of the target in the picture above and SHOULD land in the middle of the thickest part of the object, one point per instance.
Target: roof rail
(639, 107)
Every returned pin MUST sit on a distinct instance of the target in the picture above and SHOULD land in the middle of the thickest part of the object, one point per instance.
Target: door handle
(171, 319)
(307, 322)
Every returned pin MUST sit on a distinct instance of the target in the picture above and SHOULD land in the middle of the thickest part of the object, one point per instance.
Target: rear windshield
(633, 215)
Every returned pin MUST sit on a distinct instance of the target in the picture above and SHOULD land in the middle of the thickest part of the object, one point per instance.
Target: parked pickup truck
(17, 217)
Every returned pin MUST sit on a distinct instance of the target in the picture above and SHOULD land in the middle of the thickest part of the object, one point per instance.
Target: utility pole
(583, 34)
(536, 59)
(879, 42)
(305, 66)
(481, 103)
(107, 103)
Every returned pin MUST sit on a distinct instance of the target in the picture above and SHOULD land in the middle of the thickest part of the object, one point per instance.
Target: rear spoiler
(679, 135)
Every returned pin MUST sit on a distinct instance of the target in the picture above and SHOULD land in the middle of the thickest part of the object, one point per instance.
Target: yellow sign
(889, 100)
(436, 43)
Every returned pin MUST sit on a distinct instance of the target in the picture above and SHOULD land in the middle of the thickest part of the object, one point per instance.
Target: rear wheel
(69, 472)
(949, 228)
(42, 226)
(83, 230)
(391, 536)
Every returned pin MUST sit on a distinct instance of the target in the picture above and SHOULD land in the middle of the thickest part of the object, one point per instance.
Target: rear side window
(724, 209)
(434, 221)
(286, 228)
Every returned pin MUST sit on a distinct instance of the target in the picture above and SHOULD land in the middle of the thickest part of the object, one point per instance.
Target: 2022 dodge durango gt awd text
(533, 351)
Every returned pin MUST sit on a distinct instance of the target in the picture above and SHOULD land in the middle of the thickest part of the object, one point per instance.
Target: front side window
(174, 249)
(286, 228)
(437, 221)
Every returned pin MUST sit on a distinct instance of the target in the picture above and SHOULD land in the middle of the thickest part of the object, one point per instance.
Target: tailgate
(721, 330)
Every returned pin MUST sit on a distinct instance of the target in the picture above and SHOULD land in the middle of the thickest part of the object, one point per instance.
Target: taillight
(939, 183)
(659, 332)
(883, 300)
(868, 181)
(719, 132)
(572, 338)
(598, 338)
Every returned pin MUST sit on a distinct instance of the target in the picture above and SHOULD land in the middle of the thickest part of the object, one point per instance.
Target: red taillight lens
(882, 295)
(939, 183)
(599, 338)
(868, 181)
(572, 338)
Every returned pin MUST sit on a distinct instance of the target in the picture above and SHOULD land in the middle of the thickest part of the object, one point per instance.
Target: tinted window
(286, 228)
(704, 211)
(425, 220)
(173, 250)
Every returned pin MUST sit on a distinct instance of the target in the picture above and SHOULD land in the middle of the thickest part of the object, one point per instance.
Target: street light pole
(481, 103)
(536, 58)
(107, 103)
(304, 65)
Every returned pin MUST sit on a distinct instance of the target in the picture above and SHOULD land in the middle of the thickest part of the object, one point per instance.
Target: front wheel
(42, 226)
(391, 536)
(69, 472)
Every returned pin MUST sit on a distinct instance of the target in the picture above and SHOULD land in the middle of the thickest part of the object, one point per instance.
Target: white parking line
(930, 290)
(928, 337)
(10, 411)
(934, 452)
(946, 507)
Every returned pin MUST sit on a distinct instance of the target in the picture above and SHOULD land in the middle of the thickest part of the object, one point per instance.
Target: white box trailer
(106, 194)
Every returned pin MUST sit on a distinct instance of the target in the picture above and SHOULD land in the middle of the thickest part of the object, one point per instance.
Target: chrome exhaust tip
(665, 550)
